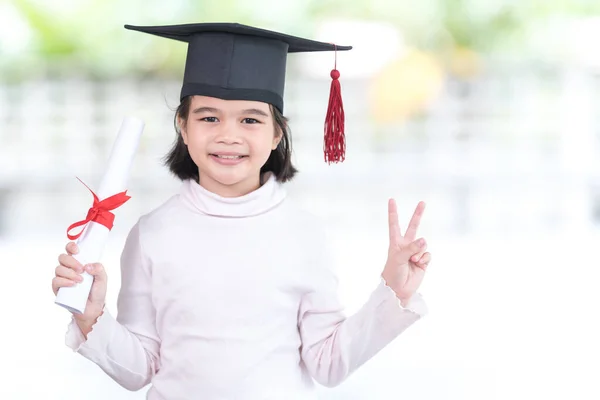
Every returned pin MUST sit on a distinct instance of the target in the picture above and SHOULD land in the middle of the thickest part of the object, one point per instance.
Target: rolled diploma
(92, 240)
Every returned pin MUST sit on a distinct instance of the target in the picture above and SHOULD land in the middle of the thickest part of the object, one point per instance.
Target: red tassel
(334, 145)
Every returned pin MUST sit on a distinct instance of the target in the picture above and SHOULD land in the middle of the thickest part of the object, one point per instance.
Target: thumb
(414, 248)
(97, 271)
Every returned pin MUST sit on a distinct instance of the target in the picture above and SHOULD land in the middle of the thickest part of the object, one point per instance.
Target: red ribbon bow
(100, 211)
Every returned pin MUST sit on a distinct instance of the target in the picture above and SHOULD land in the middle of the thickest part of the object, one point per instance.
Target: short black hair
(180, 163)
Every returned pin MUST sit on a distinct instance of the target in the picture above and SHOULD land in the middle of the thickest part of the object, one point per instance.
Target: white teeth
(229, 157)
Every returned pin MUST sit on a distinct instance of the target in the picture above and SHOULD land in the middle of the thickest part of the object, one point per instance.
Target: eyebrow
(205, 109)
(251, 111)
(255, 111)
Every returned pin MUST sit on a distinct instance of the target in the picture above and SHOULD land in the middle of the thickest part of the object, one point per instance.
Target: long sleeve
(126, 348)
(333, 345)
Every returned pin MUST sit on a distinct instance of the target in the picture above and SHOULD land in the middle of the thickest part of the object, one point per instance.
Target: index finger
(415, 221)
(394, 226)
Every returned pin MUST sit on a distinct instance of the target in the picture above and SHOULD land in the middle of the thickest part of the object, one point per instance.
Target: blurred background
(487, 110)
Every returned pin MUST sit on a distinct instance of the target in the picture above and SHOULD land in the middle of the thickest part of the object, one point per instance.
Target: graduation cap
(232, 61)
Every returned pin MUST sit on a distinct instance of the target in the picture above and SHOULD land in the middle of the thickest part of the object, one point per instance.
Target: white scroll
(93, 238)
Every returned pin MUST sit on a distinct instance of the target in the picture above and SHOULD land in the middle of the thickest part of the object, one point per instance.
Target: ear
(182, 129)
(275, 143)
(276, 138)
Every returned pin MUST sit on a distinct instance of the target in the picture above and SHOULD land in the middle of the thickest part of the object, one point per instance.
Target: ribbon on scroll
(100, 212)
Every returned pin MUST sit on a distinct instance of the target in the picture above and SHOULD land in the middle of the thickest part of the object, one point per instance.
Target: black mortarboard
(231, 61)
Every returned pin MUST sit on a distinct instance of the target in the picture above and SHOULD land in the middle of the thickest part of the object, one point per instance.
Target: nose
(228, 134)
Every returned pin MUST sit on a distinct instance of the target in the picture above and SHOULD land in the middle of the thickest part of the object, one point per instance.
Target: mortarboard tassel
(334, 144)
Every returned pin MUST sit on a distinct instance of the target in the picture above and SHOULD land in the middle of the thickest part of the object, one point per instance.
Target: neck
(235, 190)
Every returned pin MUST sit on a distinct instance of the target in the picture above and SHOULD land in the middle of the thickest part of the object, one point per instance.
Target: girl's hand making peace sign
(407, 258)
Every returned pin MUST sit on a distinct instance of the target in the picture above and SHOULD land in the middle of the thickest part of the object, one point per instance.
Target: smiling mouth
(228, 157)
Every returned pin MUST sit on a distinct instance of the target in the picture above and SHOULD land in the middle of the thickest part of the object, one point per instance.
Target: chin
(231, 178)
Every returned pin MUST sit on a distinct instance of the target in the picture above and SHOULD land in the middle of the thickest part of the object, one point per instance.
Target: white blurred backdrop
(501, 139)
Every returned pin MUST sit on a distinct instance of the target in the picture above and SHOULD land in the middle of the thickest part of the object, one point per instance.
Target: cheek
(196, 140)
(262, 144)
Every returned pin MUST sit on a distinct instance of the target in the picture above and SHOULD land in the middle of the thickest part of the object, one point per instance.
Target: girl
(227, 290)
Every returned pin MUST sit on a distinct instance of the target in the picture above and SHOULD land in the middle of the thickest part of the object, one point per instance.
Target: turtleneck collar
(266, 197)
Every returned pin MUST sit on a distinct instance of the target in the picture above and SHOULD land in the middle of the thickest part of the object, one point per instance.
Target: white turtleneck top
(234, 298)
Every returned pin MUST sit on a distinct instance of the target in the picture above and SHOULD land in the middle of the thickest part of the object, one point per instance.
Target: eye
(209, 119)
(250, 121)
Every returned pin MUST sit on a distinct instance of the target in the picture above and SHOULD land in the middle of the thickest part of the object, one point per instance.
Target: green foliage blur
(54, 38)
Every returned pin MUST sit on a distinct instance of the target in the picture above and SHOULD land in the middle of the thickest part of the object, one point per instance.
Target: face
(229, 140)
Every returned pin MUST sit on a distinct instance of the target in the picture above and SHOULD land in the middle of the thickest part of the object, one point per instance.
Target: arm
(126, 348)
(333, 345)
